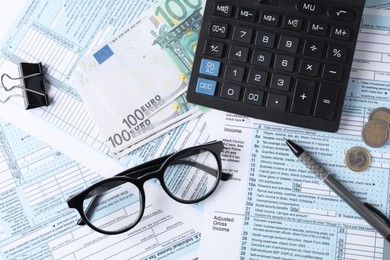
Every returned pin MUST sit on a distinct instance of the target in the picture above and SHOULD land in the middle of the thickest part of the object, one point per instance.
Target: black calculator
(286, 61)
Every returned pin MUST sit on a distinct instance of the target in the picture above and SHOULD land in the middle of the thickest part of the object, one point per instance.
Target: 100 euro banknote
(122, 139)
(140, 71)
(147, 64)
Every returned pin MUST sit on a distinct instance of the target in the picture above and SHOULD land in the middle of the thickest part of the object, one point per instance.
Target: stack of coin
(376, 131)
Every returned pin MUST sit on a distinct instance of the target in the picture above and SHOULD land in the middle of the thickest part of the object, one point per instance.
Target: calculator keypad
(285, 61)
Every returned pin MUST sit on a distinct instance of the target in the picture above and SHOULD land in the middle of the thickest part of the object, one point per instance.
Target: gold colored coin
(357, 159)
(375, 133)
(380, 113)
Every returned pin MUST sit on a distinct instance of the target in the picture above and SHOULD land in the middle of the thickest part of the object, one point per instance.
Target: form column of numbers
(340, 246)
(250, 202)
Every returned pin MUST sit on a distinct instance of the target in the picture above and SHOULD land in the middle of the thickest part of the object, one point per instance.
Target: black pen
(374, 217)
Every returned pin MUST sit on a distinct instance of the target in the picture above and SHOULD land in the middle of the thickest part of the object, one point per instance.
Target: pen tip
(297, 150)
(288, 142)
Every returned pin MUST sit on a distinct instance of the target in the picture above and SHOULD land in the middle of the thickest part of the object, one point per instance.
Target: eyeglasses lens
(192, 177)
(113, 206)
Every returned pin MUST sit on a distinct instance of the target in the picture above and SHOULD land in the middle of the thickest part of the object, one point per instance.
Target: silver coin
(357, 159)
(375, 133)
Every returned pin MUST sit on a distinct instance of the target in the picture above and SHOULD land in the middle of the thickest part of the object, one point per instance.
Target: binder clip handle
(33, 85)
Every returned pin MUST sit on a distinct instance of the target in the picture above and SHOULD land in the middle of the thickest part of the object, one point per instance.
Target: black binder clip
(33, 85)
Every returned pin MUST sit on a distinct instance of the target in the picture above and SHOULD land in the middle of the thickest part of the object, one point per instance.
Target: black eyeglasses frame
(138, 175)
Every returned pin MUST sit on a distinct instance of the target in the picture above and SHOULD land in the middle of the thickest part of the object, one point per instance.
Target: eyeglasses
(115, 205)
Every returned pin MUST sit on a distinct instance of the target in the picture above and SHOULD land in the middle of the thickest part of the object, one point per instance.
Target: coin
(357, 159)
(375, 133)
(380, 113)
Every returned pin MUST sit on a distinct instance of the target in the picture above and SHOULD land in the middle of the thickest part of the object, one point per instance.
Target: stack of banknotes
(134, 84)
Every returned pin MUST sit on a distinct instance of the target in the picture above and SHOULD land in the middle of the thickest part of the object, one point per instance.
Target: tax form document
(60, 37)
(275, 208)
(58, 34)
(36, 223)
(379, 4)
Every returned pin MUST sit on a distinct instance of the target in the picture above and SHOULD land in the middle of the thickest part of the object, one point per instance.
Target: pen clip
(378, 213)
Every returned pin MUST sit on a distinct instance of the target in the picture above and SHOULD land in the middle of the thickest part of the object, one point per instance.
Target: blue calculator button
(209, 67)
(206, 86)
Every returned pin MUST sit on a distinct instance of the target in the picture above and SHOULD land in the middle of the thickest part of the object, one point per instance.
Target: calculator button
(284, 62)
(313, 49)
(341, 14)
(257, 77)
(280, 82)
(224, 10)
(219, 30)
(292, 23)
(234, 72)
(315, 28)
(308, 8)
(275, 101)
(214, 48)
(288, 43)
(209, 67)
(261, 58)
(269, 19)
(253, 97)
(246, 14)
(340, 33)
(309, 68)
(265, 39)
(206, 86)
(303, 97)
(332, 72)
(230, 91)
(242, 34)
(335, 53)
(238, 53)
(326, 101)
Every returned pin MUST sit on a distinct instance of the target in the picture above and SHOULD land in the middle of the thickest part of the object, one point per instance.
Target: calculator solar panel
(284, 61)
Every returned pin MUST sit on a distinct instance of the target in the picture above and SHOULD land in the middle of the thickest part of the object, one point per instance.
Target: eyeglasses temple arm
(155, 164)
(91, 205)
(87, 211)
(81, 221)
(139, 170)
(224, 176)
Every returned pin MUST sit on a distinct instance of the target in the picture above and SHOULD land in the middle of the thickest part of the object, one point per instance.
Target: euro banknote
(122, 139)
(147, 64)
(134, 83)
